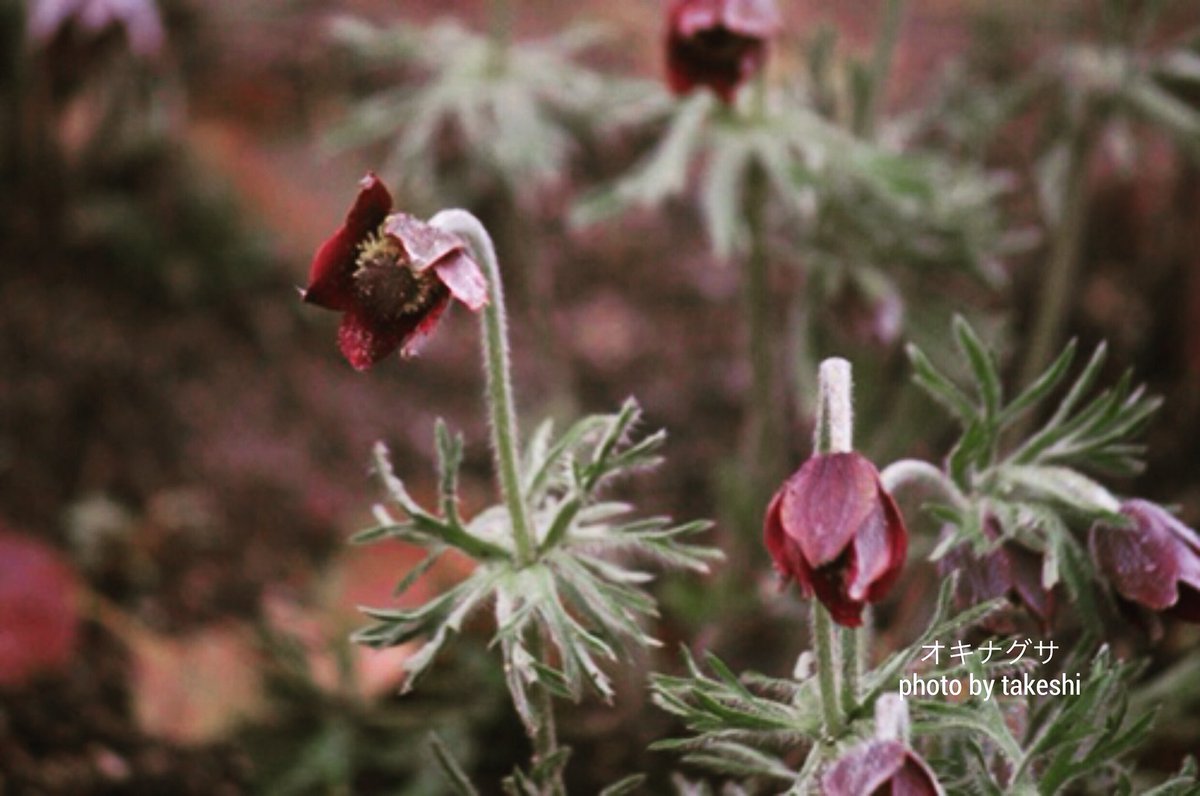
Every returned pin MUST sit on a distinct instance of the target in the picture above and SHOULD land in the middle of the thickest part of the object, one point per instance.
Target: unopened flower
(833, 529)
(1154, 561)
(38, 615)
(392, 276)
(719, 44)
(880, 768)
(1011, 570)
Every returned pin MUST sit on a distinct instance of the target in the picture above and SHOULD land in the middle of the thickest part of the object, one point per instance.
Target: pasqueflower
(833, 529)
(719, 44)
(1010, 570)
(38, 615)
(880, 768)
(1153, 561)
(392, 276)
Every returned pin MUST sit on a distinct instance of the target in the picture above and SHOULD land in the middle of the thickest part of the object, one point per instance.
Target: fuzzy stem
(914, 472)
(1058, 285)
(494, 323)
(501, 31)
(505, 447)
(834, 433)
(826, 647)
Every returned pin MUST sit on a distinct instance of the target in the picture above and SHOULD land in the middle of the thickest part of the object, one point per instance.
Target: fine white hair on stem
(835, 409)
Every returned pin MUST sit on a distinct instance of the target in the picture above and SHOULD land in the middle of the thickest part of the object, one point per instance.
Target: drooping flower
(38, 615)
(835, 530)
(392, 276)
(880, 768)
(1154, 561)
(1011, 570)
(719, 44)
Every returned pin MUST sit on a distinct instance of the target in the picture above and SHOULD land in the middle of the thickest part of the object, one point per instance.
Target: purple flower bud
(833, 529)
(1010, 570)
(1154, 562)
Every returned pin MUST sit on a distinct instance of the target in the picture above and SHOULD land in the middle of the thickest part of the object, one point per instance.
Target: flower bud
(1011, 570)
(880, 767)
(1153, 561)
(833, 529)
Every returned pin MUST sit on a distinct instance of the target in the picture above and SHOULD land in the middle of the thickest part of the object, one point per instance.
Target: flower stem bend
(494, 323)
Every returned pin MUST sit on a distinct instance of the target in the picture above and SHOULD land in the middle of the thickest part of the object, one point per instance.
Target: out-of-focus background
(183, 452)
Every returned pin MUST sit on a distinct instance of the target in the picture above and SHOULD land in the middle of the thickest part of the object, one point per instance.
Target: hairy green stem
(497, 366)
(506, 450)
(914, 472)
(1058, 283)
(826, 648)
(764, 449)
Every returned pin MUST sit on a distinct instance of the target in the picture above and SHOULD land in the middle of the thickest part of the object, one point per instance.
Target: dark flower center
(387, 286)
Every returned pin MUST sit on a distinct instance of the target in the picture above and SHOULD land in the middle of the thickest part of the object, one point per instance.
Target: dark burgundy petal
(830, 584)
(773, 536)
(38, 612)
(1142, 562)
(915, 779)
(330, 277)
(826, 502)
(364, 343)
(718, 44)
(413, 341)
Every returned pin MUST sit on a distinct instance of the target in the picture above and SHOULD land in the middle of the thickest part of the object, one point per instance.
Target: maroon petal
(826, 502)
(412, 343)
(1026, 568)
(364, 343)
(1143, 566)
(829, 583)
(914, 779)
(330, 278)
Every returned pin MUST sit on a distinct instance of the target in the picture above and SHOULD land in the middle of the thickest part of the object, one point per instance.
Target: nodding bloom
(833, 529)
(719, 44)
(880, 768)
(1153, 561)
(1011, 570)
(392, 276)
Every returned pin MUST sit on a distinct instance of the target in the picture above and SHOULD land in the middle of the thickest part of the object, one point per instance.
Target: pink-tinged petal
(1142, 566)
(871, 556)
(425, 245)
(759, 18)
(897, 548)
(460, 273)
(773, 536)
(880, 767)
(331, 275)
(689, 17)
(865, 769)
(826, 502)
(415, 340)
(363, 343)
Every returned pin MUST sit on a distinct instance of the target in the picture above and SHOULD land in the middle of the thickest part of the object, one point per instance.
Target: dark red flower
(1154, 562)
(1011, 570)
(880, 768)
(392, 276)
(719, 44)
(38, 617)
(833, 529)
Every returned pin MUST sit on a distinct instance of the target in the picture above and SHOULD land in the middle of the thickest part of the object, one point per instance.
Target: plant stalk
(881, 65)
(1058, 286)
(505, 447)
(834, 433)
